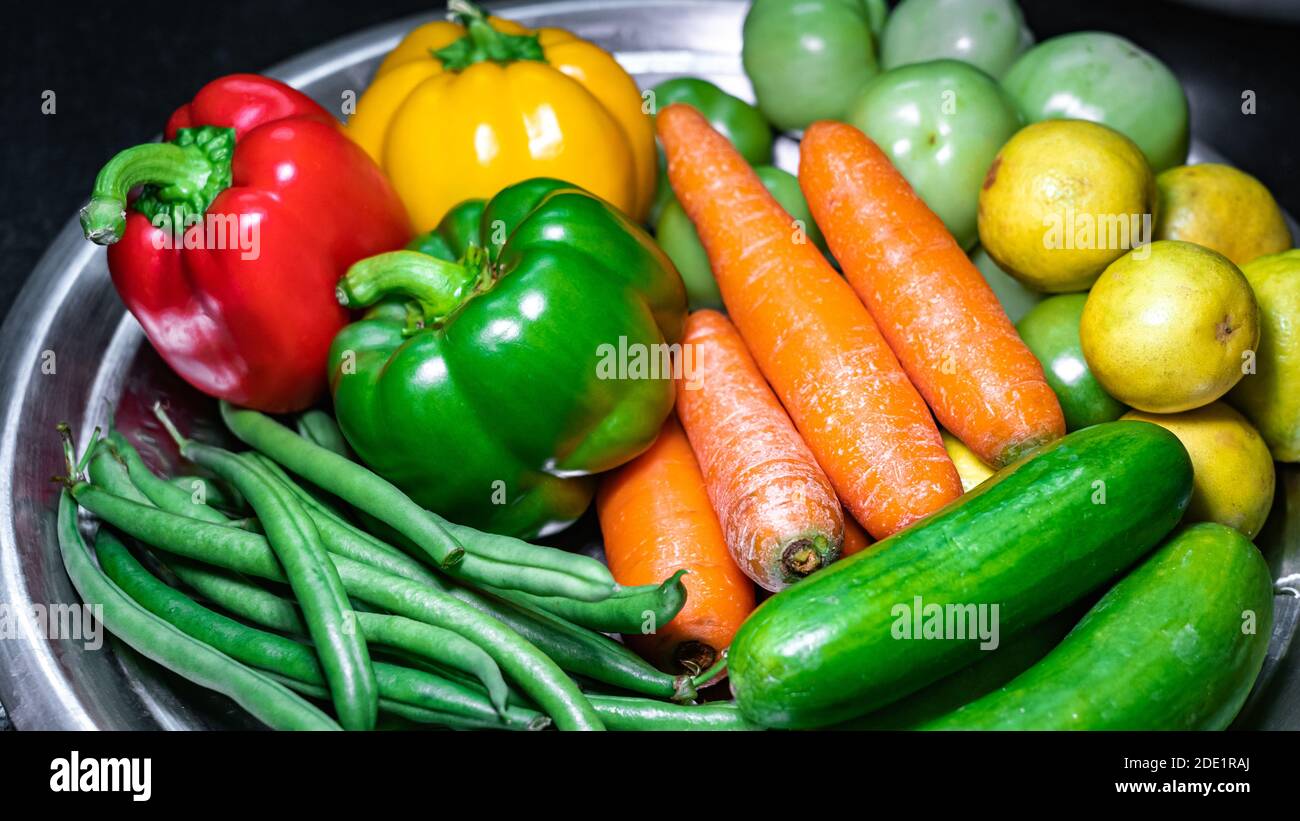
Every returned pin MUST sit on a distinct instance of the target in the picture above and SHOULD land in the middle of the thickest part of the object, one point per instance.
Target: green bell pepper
(505, 359)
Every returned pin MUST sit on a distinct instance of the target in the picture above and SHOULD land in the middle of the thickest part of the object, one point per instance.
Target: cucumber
(1174, 646)
(987, 674)
(1036, 537)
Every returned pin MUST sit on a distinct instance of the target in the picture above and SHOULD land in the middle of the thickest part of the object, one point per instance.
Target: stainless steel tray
(69, 316)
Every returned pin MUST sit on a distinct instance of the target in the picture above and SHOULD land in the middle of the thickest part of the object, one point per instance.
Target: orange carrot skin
(777, 509)
(856, 539)
(934, 308)
(656, 519)
(810, 335)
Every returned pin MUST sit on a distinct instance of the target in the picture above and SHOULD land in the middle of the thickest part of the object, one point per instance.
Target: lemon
(1221, 208)
(1062, 200)
(1269, 393)
(1169, 327)
(970, 468)
(1233, 472)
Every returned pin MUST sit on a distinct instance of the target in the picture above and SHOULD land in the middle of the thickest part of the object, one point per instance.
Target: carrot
(656, 520)
(934, 308)
(777, 508)
(814, 341)
(855, 538)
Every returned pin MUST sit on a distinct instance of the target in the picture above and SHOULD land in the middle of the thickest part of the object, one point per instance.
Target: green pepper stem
(483, 42)
(436, 286)
(103, 219)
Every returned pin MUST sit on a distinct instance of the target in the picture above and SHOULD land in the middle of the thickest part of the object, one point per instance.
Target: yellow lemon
(1269, 393)
(1234, 478)
(970, 468)
(1169, 327)
(1062, 200)
(1221, 208)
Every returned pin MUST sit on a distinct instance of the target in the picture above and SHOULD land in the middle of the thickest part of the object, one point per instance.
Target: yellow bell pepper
(461, 110)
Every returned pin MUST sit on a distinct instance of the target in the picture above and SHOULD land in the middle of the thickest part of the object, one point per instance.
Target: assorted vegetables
(1031, 541)
(813, 340)
(522, 345)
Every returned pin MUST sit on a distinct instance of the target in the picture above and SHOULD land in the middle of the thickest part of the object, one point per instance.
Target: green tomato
(1106, 79)
(1016, 299)
(730, 116)
(989, 34)
(1051, 331)
(877, 13)
(677, 236)
(942, 124)
(807, 59)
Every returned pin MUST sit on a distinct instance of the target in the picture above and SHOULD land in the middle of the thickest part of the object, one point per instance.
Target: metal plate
(71, 353)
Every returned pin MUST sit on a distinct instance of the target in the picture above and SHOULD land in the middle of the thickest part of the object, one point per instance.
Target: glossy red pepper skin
(252, 322)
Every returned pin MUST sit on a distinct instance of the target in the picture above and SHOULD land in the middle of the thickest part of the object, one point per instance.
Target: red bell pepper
(247, 218)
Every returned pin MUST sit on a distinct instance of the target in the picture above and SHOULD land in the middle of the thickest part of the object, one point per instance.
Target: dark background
(119, 68)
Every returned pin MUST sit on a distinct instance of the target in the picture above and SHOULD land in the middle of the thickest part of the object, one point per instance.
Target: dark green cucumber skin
(989, 672)
(1032, 540)
(1165, 649)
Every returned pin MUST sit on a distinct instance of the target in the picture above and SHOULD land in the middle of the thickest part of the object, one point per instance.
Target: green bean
(539, 677)
(341, 537)
(237, 595)
(580, 651)
(287, 657)
(311, 496)
(249, 553)
(529, 721)
(215, 493)
(376, 496)
(510, 550)
(439, 645)
(319, 427)
(644, 714)
(315, 582)
(107, 471)
(155, 639)
(344, 478)
(162, 493)
(629, 610)
(243, 598)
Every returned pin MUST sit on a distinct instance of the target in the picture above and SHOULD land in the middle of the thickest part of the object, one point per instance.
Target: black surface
(118, 69)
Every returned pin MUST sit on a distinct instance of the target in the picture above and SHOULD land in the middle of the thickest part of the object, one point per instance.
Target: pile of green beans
(407, 615)
(263, 698)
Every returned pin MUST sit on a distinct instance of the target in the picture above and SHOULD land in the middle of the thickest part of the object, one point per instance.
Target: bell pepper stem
(436, 286)
(484, 42)
(103, 219)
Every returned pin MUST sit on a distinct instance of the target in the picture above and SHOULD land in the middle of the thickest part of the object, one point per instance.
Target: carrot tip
(804, 556)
